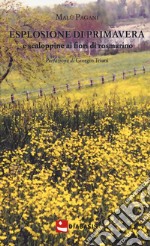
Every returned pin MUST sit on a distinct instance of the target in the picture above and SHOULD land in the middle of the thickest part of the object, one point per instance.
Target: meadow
(77, 155)
(60, 74)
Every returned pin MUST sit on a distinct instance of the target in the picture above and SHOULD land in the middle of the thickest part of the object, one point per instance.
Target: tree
(145, 8)
(133, 9)
(122, 9)
(29, 62)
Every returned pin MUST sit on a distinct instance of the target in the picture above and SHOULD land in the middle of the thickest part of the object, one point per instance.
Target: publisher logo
(62, 226)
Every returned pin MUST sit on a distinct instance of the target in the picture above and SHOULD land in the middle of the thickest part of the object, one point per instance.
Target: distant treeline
(109, 12)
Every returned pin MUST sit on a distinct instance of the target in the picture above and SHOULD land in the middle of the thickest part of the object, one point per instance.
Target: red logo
(62, 226)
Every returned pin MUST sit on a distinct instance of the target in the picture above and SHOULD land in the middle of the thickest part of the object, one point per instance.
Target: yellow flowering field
(76, 156)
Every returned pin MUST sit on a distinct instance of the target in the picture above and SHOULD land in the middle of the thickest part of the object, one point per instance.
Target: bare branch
(8, 68)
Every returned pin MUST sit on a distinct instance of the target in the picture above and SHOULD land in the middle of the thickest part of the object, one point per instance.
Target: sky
(50, 2)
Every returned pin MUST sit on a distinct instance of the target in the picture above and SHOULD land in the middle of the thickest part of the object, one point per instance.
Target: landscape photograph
(74, 123)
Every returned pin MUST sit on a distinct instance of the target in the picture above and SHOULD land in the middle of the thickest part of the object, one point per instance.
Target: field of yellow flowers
(70, 157)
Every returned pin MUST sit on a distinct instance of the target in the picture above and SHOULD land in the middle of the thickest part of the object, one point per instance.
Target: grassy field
(71, 73)
(137, 86)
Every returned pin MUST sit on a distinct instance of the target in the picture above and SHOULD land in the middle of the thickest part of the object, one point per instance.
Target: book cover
(74, 122)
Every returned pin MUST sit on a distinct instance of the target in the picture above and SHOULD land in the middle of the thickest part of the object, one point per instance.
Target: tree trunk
(8, 69)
